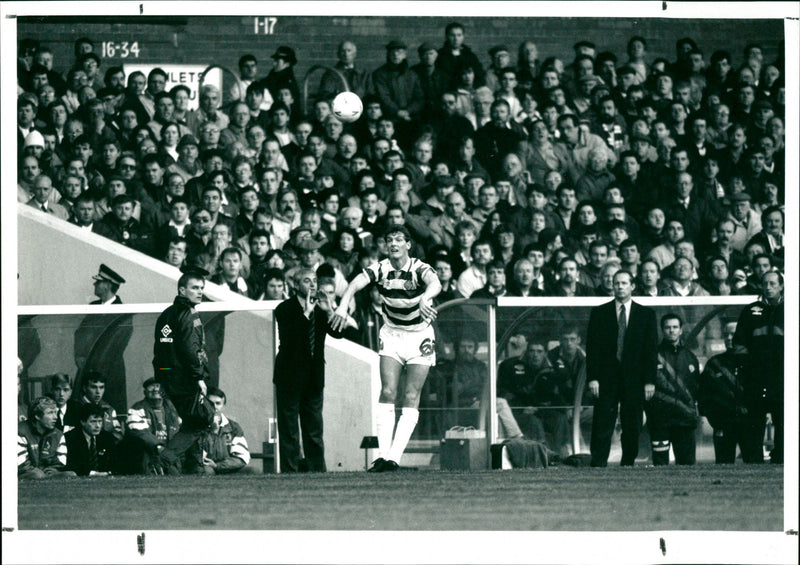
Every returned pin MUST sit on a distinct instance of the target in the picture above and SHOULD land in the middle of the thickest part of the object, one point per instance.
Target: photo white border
(370, 547)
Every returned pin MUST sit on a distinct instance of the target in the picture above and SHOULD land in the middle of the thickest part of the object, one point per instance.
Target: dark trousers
(294, 402)
(753, 438)
(603, 422)
(744, 432)
(683, 443)
(184, 453)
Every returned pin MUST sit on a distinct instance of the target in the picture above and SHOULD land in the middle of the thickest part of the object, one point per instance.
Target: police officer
(721, 400)
(181, 366)
(672, 413)
(759, 336)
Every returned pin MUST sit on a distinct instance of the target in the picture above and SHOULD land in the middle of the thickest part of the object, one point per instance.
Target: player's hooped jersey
(401, 291)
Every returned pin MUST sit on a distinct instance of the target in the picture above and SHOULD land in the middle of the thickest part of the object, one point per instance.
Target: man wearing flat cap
(397, 87)
(432, 79)
(106, 285)
(501, 59)
(282, 73)
(180, 363)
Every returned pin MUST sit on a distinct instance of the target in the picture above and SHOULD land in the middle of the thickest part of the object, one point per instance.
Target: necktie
(92, 454)
(622, 325)
(60, 421)
(311, 334)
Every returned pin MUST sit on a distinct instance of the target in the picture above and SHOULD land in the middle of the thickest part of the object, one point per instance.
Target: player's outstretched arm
(339, 319)
(432, 289)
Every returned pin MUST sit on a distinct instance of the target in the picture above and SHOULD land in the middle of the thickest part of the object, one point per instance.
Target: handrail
(314, 68)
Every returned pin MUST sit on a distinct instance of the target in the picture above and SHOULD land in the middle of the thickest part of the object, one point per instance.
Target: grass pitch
(703, 497)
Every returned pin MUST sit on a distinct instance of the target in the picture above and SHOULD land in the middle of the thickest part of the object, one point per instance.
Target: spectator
(357, 79)
(455, 55)
(282, 73)
(573, 148)
(680, 282)
(496, 281)
(567, 284)
(397, 86)
(42, 190)
(476, 276)
(120, 226)
(771, 237)
(229, 273)
(523, 283)
(41, 450)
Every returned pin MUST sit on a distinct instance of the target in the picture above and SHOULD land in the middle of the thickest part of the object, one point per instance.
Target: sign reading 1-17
(264, 24)
(123, 49)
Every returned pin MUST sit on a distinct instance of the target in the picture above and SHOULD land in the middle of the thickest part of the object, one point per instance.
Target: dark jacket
(721, 390)
(452, 64)
(673, 402)
(398, 88)
(639, 356)
(131, 234)
(179, 349)
(759, 334)
(78, 452)
(294, 366)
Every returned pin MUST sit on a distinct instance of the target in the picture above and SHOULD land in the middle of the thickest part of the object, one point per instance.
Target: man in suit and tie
(90, 449)
(621, 363)
(106, 285)
(300, 373)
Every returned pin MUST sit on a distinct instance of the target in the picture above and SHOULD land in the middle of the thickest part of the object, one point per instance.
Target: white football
(347, 106)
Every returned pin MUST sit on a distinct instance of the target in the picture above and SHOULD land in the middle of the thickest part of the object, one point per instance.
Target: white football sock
(384, 424)
(405, 427)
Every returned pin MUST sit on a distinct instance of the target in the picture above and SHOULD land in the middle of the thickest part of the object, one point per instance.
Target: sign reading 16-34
(122, 49)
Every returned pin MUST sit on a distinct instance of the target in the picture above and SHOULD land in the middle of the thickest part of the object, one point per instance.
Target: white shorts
(408, 347)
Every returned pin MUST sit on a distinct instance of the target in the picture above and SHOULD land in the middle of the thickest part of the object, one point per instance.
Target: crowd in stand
(535, 177)
(540, 177)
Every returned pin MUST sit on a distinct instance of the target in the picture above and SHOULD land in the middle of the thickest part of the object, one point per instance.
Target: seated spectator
(225, 446)
(496, 281)
(761, 263)
(573, 148)
(42, 189)
(596, 178)
(94, 388)
(90, 449)
(475, 276)
(772, 234)
(718, 279)
(442, 264)
(606, 286)
(629, 256)
(664, 254)
(590, 274)
(523, 282)
(230, 272)
(120, 226)
(41, 450)
(567, 284)
(680, 282)
(649, 281)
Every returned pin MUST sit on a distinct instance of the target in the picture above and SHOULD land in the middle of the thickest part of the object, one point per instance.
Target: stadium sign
(187, 75)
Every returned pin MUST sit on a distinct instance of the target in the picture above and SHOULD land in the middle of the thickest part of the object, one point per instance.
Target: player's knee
(388, 394)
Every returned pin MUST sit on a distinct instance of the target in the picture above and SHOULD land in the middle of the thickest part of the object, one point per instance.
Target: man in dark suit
(621, 363)
(106, 285)
(300, 373)
(89, 447)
